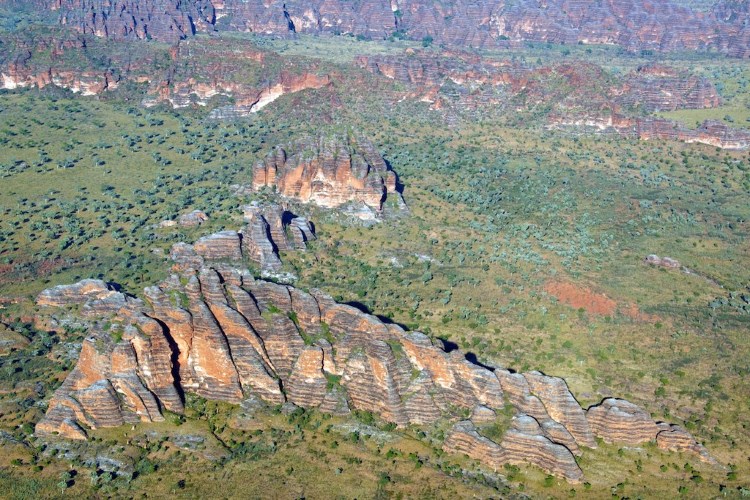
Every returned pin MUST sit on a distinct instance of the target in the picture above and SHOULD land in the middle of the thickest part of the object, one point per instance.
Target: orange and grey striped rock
(369, 380)
(526, 442)
(483, 415)
(222, 334)
(306, 386)
(419, 404)
(335, 402)
(224, 245)
(77, 293)
(620, 421)
(328, 172)
(519, 393)
(464, 438)
(561, 406)
(258, 246)
(675, 438)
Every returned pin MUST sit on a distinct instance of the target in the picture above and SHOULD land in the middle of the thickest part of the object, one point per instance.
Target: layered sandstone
(633, 24)
(710, 132)
(329, 172)
(619, 421)
(268, 230)
(78, 293)
(524, 443)
(214, 330)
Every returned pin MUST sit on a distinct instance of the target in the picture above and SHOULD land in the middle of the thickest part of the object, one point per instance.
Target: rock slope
(214, 330)
(330, 172)
(268, 230)
(633, 24)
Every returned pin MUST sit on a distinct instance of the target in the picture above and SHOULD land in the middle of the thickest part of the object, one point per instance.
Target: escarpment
(331, 172)
(214, 330)
(633, 24)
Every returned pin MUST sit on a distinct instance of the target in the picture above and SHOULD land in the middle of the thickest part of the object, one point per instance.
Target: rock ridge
(214, 330)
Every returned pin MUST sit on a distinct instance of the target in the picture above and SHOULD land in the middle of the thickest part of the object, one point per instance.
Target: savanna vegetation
(522, 246)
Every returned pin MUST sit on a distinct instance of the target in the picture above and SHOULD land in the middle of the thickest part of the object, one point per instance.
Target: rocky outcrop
(524, 443)
(166, 21)
(214, 330)
(633, 24)
(77, 294)
(329, 172)
(619, 421)
(711, 132)
(674, 438)
(224, 245)
(307, 382)
(269, 229)
(661, 88)
(668, 262)
(192, 219)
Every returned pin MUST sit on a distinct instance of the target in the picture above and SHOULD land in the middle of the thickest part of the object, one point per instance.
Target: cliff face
(632, 24)
(163, 20)
(214, 330)
(563, 86)
(710, 132)
(268, 230)
(330, 172)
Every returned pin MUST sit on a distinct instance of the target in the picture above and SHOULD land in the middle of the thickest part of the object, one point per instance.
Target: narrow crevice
(174, 357)
(289, 22)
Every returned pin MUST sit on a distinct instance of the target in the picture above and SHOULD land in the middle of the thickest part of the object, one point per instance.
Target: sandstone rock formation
(650, 88)
(711, 132)
(78, 293)
(214, 330)
(122, 19)
(633, 24)
(661, 88)
(268, 230)
(617, 420)
(330, 172)
(523, 443)
(197, 73)
(191, 219)
(667, 262)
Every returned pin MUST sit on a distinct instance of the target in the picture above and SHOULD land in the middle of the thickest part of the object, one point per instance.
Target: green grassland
(496, 213)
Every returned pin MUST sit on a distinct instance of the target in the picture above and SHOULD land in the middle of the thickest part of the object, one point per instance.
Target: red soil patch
(594, 303)
(578, 297)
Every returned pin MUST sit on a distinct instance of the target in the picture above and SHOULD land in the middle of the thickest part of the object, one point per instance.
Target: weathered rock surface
(76, 294)
(710, 132)
(633, 24)
(224, 245)
(191, 219)
(674, 438)
(224, 335)
(307, 383)
(269, 229)
(619, 421)
(483, 415)
(329, 172)
(524, 443)
(667, 262)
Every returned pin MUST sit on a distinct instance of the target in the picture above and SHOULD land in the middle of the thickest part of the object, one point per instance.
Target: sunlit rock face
(214, 330)
(329, 172)
(633, 24)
